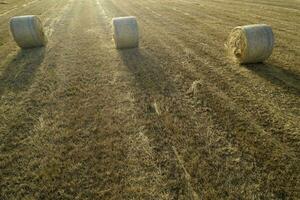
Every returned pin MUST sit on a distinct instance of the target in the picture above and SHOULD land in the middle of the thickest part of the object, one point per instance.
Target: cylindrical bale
(126, 34)
(27, 31)
(251, 43)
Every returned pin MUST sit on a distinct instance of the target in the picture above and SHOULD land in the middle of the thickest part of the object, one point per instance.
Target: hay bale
(251, 43)
(126, 34)
(27, 31)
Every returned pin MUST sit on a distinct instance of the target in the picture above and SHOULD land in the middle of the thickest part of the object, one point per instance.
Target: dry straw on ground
(251, 43)
(28, 31)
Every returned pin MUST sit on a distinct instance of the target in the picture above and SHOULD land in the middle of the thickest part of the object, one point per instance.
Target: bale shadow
(19, 73)
(148, 72)
(277, 75)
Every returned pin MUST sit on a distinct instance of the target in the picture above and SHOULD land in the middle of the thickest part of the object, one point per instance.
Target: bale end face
(126, 34)
(27, 31)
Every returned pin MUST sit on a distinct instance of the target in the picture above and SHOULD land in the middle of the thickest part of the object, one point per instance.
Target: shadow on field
(148, 72)
(18, 74)
(277, 75)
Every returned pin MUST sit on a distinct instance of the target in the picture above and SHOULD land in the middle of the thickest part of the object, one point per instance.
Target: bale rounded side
(126, 34)
(27, 31)
(251, 43)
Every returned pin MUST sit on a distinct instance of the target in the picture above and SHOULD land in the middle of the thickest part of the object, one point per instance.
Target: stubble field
(174, 119)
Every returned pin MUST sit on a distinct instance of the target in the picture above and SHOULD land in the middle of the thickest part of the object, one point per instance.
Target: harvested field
(174, 119)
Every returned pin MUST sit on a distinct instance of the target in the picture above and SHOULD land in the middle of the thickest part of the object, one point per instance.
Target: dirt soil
(174, 119)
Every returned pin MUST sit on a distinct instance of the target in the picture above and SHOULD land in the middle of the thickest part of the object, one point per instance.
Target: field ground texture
(174, 119)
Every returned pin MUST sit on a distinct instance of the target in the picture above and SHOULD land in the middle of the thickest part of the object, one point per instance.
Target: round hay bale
(27, 31)
(251, 43)
(126, 34)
